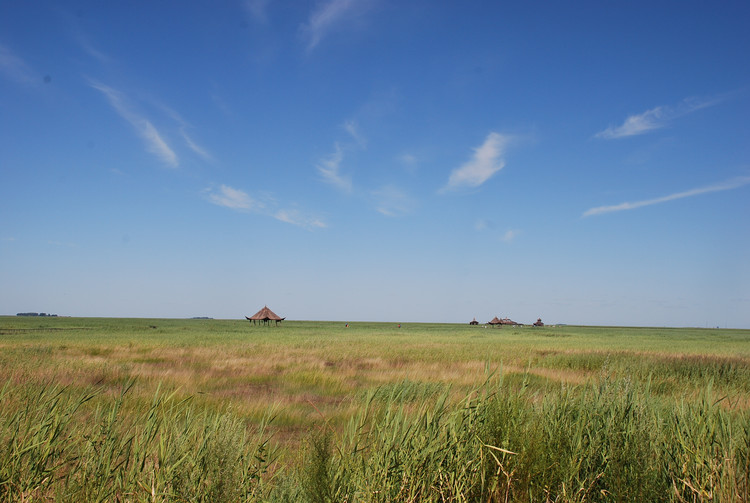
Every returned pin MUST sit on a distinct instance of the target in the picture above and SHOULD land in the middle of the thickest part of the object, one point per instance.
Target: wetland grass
(214, 410)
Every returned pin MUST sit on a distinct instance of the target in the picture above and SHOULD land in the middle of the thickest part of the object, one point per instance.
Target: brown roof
(494, 321)
(265, 314)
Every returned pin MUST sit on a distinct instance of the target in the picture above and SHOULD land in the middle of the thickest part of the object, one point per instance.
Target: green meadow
(96, 409)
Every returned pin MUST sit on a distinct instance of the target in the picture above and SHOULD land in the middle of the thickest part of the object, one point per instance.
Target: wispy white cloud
(734, 183)
(143, 127)
(88, 47)
(509, 235)
(326, 16)
(233, 199)
(184, 126)
(81, 37)
(239, 200)
(330, 170)
(656, 118)
(393, 201)
(15, 68)
(352, 128)
(296, 217)
(636, 124)
(485, 162)
(155, 143)
(205, 154)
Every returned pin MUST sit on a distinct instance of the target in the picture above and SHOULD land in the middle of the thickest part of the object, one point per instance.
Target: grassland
(317, 411)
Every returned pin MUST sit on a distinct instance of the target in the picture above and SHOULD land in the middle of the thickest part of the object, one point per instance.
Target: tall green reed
(119, 451)
(607, 441)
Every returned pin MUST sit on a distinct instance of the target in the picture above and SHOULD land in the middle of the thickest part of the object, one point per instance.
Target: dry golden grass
(313, 371)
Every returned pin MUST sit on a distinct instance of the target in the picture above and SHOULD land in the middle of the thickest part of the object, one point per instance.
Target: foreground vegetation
(203, 410)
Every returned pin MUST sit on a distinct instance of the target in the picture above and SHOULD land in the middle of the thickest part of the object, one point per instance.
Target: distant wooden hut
(494, 321)
(474, 322)
(538, 323)
(265, 316)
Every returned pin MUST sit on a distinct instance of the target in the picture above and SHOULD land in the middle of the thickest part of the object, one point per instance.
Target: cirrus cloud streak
(145, 129)
(734, 183)
(656, 118)
(330, 170)
(239, 200)
(326, 16)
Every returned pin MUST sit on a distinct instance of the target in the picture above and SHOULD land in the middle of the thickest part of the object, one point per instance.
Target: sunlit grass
(308, 361)
(316, 380)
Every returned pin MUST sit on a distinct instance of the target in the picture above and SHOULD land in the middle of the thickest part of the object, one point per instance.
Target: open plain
(322, 411)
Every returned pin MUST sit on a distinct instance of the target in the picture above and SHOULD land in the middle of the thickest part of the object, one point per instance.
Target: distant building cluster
(35, 314)
(506, 321)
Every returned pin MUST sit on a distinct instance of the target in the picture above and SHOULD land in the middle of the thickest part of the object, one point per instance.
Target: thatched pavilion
(474, 322)
(504, 321)
(266, 316)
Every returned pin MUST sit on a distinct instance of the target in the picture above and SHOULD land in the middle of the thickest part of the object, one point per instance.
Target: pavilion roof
(265, 314)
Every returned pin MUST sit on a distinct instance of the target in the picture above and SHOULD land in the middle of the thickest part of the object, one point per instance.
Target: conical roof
(264, 315)
(494, 321)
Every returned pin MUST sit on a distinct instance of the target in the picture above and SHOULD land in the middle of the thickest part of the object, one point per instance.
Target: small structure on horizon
(474, 322)
(504, 321)
(538, 323)
(508, 321)
(266, 316)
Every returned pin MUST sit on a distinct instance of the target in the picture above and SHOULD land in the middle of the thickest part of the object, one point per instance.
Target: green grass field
(221, 410)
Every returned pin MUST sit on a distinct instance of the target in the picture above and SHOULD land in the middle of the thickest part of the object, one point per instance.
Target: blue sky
(586, 163)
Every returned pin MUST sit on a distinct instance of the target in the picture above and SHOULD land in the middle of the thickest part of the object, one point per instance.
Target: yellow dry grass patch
(558, 375)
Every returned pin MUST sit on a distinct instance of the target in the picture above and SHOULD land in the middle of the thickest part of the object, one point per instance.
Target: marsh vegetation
(216, 410)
